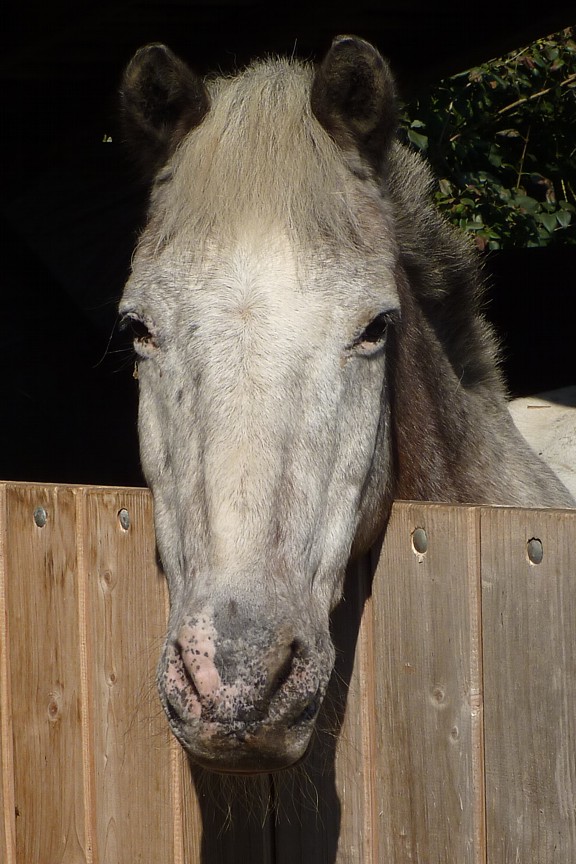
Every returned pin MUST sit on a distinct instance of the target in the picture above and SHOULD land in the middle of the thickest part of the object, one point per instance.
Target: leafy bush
(501, 138)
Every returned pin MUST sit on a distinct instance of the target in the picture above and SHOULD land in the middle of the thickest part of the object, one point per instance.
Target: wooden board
(45, 677)
(7, 799)
(90, 774)
(428, 746)
(324, 808)
(125, 621)
(530, 686)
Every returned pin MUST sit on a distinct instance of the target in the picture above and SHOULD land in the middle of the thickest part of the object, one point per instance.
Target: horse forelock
(261, 160)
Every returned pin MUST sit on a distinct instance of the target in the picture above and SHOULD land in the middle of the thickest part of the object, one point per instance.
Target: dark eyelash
(139, 330)
(376, 329)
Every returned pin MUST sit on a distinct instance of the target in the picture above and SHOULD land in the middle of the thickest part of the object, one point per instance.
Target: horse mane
(286, 172)
(444, 274)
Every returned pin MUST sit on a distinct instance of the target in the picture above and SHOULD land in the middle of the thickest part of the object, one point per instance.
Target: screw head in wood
(40, 517)
(535, 550)
(124, 518)
(420, 541)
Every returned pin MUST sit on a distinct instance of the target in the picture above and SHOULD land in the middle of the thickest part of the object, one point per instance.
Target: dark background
(70, 207)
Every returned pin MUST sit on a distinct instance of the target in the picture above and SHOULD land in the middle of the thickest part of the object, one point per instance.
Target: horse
(310, 347)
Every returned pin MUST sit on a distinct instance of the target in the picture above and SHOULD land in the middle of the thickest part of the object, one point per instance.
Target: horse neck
(452, 436)
(440, 420)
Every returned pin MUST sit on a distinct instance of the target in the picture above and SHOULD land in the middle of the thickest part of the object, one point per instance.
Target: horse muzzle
(245, 702)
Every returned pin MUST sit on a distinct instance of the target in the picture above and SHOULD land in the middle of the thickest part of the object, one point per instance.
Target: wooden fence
(449, 736)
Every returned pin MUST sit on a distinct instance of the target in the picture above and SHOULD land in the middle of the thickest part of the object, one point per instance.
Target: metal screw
(124, 518)
(535, 550)
(40, 517)
(420, 541)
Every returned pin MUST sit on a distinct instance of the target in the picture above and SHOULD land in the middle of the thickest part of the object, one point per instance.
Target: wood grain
(324, 807)
(42, 604)
(126, 620)
(428, 748)
(530, 682)
(355, 757)
(405, 768)
(7, 799)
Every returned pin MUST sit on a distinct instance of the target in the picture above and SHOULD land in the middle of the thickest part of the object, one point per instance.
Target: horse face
(260, 421)
(264, 438)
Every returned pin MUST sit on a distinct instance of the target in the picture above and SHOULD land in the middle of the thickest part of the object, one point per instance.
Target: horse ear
(354, 98)
(161, 100)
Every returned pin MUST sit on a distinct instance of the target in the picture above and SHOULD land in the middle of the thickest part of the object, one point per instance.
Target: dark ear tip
(153, 54)
(161, 100)
(353, 97)
(343, 37)
(345, 42)
(150, 48)
(153, 49)
(353, 40)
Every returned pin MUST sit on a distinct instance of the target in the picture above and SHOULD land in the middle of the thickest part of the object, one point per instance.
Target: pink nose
(233, 680)
(197, 649)
(241, 695)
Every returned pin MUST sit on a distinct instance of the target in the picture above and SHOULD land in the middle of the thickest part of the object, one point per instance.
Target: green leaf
(420, 141)
(495, 158)
(564, 218)
(547, 219)
(526, 203)
(445, 187)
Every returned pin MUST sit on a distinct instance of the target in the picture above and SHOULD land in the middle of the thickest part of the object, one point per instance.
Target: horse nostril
(171, 711)
(186, 668)
(310, 711)
(283, 672)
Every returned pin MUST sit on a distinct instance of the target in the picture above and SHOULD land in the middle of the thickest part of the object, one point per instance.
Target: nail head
(420, 541)
(40, 517)
(535, 550)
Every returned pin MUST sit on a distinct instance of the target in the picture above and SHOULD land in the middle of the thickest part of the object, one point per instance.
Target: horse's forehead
(258, 282)
(263, 267)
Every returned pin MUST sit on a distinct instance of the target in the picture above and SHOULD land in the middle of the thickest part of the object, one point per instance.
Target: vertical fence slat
(355, 758)
(428, 689)
(7, 801)
(126, 622)
(187, 818)
(311, 825)
(237, 817)
(530, 685)
(42, 603)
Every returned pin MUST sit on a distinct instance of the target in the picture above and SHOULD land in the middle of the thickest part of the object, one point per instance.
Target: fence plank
(42, 604)
(126, 622)
(7, 800)
(429, 745)
(236, 816)
(530, 686)
(311, 825)
(187, 816)
(355, 758)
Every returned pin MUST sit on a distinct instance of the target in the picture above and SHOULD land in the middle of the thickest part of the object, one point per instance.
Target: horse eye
(139, 331)
(376, 329)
